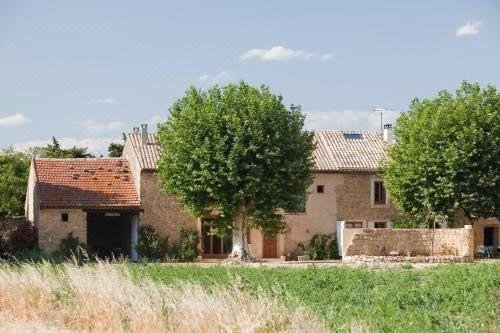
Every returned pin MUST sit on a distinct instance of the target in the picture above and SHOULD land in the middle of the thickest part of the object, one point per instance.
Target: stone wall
(32, 204)
(51, 229)
(479, 226)
(354, 200)
(162, 211)
(405, 259)
(129, 154)
(347, 196)
(412, 242)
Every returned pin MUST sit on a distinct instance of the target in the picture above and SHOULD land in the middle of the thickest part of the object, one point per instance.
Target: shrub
(71, 247)
(36, 255)
(186, 249)
(16, 234)
(406, 224)
(23, 237)
(323, 247)
(150, 245)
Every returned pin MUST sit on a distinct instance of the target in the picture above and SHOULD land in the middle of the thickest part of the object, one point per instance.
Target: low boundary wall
(407, 243)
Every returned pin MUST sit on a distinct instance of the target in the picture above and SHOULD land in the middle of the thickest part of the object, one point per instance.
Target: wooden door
(270, 249)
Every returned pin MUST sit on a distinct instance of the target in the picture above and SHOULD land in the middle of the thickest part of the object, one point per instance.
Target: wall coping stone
(403, 259)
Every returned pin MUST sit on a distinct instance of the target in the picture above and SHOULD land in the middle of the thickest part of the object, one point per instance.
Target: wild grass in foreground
(104, 297)
(459, 297)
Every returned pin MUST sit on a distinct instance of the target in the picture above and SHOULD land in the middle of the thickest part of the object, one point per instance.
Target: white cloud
(92, 127)
(156, 119)
(203, 77)
(14, 120)
(95, 145)
(281, 53)
(220, 77)
(468, 29)
(348, 120)
(106, 100)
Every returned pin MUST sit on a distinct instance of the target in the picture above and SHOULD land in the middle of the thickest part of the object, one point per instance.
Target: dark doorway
(490, 236)
(215, 246)
(270, 245)
(109, 234)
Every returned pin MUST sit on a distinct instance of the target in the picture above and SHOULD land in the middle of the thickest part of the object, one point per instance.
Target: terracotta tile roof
(336, 151)
(349, 151)
(148, 154)
(90, 183)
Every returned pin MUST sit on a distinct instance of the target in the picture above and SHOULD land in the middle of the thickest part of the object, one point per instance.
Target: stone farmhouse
(103, 201)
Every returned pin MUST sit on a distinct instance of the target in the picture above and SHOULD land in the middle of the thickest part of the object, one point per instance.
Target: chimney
(388, 136)
(144, 134)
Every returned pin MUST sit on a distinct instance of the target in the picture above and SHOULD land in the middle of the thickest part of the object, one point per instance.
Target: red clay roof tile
(91, 183)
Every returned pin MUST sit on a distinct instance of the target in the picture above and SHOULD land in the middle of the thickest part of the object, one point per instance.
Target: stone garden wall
(418, 243)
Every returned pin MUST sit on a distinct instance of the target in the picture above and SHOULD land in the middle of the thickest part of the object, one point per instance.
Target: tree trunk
(240, 251)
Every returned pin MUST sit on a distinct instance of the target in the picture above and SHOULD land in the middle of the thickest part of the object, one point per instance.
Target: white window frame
(352, 222)
(373, 180)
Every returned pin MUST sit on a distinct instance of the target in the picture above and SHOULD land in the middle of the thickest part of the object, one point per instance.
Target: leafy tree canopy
(54, 150)
(115, 149)
(446, 155)
(237, 151)
(14, 169)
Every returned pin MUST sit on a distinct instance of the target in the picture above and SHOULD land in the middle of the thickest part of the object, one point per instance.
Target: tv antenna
(381, 110)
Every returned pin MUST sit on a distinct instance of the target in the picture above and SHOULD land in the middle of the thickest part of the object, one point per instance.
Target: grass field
(463, 297)
(192, 298)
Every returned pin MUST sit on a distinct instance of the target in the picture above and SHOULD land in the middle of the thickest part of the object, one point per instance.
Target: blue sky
(86, 72)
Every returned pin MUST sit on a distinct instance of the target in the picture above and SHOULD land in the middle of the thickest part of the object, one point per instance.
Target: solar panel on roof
(353, 136)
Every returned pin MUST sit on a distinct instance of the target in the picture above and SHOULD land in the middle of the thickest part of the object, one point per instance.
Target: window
(379, 195)
(353, 224)
(380, 225)
(64, 217)
(320, 188)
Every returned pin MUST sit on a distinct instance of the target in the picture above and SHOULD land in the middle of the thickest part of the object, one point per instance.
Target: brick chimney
(144, 134)
(388, 135)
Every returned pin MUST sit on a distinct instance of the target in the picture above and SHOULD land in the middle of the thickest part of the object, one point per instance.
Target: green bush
(406, 224)
(37, 255)
(150, 245)
(186, 249)
(71, 248)
(323, 247)
(16, 237)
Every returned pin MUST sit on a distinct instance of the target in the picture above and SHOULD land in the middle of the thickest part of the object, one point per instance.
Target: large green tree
(116, 149)
(14, 169)
(236, 151)
(446, 155)
(54, 150)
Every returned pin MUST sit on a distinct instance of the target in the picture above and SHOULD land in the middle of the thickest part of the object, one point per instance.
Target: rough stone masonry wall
(162, 211)
(354, 200)
(51, 229)
(413, 242)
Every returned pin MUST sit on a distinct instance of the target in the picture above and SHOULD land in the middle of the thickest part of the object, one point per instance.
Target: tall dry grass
(104, 297)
